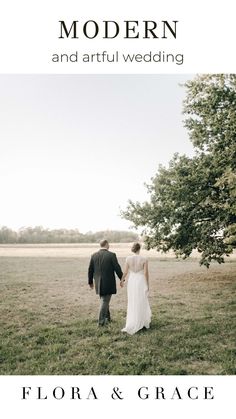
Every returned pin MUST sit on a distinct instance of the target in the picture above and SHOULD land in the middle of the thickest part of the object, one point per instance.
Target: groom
(102, 268)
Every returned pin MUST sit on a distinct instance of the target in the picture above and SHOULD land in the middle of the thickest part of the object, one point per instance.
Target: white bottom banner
(113, 396)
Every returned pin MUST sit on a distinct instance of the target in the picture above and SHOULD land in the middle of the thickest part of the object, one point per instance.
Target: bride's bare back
(136, 263)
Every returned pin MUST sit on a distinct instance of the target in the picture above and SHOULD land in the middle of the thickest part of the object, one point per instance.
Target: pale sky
(75, 148)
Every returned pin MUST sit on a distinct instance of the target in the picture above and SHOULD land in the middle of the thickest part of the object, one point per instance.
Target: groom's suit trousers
(104, 314)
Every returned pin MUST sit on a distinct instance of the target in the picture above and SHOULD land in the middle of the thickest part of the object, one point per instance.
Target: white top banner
(122, 37)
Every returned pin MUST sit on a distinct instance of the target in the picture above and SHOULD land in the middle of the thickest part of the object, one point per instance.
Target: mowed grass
(49, 320)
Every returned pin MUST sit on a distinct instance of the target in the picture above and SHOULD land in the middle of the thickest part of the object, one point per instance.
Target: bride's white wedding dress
(138, 310)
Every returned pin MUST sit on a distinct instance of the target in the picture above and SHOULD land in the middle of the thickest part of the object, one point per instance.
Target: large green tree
(193, 202)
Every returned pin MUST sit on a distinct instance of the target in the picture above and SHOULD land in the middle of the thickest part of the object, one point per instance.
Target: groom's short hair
(104, 243)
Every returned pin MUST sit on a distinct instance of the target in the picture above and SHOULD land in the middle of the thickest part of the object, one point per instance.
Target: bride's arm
(146, 273)
(125, 273)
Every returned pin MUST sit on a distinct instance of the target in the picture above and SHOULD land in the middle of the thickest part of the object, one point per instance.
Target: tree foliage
(193, 201)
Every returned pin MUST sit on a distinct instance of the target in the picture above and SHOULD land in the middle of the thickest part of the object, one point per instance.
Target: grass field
(49, 316)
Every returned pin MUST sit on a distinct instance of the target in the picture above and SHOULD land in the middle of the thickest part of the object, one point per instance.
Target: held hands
(122, 283)
(91, 286)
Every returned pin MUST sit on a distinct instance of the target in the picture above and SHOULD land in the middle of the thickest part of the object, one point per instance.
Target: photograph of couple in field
(117, 224)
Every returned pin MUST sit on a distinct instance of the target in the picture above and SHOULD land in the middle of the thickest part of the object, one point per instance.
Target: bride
(138, 310)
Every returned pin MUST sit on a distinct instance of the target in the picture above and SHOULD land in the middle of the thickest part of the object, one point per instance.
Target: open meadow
(49, 316)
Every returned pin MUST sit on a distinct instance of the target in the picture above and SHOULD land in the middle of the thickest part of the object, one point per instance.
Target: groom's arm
(91, 272)
(126, 271)
(116, 266)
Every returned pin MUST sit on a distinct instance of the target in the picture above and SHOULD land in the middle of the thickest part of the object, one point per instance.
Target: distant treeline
(44, 235)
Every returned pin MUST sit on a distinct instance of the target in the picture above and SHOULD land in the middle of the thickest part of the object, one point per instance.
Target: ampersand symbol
(116, 394)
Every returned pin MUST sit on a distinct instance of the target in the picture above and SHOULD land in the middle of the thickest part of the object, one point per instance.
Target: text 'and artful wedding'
(156, 57)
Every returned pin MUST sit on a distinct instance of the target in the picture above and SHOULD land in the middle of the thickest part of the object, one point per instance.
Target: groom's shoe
(105, 322)
(102, 323)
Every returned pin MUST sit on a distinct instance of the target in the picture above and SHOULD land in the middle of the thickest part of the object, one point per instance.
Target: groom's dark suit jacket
(102, 268)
